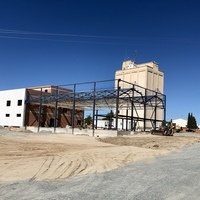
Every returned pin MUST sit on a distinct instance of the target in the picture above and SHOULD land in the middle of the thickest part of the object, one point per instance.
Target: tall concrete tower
(146, 75)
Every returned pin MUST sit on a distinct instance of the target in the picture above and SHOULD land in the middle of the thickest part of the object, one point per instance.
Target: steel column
(126, 119)
(164, 107)
(155, 118)
(73, 110)
(145, 111)
(93, 113)
(96, 118)
(117, 104)
(56, 110)
(132, 108)
(40, 110)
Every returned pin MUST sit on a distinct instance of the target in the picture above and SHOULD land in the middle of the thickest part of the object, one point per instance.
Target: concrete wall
(76, 131)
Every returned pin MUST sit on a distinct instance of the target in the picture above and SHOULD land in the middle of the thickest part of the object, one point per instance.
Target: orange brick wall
(64, 116)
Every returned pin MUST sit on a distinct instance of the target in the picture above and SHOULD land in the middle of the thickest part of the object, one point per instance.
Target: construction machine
(177, 128)
(166, 129)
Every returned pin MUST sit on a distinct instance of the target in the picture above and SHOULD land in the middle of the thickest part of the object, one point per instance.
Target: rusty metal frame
(97, 98)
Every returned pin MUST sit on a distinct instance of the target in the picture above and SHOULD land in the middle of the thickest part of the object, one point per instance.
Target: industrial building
(135, 97)
(148, 76)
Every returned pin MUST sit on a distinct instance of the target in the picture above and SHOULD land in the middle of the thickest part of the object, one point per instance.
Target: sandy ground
(29, 156)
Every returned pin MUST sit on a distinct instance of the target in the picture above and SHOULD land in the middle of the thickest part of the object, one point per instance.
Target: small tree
(88, 120)
(109, 117)
(191, 123)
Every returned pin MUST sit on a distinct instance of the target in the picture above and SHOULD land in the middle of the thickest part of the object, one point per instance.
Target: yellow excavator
(177, 128)
(166, 129)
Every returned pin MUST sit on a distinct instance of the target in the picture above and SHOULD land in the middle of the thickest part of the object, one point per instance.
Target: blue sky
(67, 41)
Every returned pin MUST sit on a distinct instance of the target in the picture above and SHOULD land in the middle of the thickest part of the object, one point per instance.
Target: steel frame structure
(131, 99)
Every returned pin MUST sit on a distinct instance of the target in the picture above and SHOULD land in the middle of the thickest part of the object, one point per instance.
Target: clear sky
(57, 42)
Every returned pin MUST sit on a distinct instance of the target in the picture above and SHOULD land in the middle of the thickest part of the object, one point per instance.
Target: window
(8, 103)
(19, 103)
(18, 115)
(7, 115)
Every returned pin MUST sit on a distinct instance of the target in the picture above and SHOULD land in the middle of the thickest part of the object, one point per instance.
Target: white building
(12, 107)
(180, 122)
(104, 124)
(17, 110)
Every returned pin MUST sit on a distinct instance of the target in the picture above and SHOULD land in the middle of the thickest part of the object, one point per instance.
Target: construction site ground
(44, 156)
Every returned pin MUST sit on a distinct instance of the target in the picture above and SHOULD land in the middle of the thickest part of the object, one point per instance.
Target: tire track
(65, 169)
(49, 166)
(49, 170)
(82, 167)
(35, 176)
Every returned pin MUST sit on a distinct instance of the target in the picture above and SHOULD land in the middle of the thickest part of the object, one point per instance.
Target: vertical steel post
(117, 104)
(40, 110)
(155, 117)
(145, 110)
(56, 110)
(132, 102)
(94, 107)
(164, 96)
(127, 119)
(96, 118)
(25, 110)
(134, 125)
(73, 110)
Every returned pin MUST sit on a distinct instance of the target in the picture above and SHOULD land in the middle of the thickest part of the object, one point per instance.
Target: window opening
(19, 103)
(8, 103)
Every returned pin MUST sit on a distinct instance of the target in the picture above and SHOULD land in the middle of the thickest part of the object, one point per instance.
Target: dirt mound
(59, 156)
(152, 142)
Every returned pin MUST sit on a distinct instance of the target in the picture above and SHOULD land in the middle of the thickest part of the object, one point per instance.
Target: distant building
(180, 122)
(104, 124)
(17, 109)
(146, 75)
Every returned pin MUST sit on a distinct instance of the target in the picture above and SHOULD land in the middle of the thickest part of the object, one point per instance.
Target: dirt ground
(59, 156)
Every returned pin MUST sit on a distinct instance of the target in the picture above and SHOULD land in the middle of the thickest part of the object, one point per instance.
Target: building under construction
(134, 107)
(61, 107)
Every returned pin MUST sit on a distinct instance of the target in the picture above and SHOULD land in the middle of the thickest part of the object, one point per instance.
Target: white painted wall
(180, 122)
(13, 110)
(104, 124)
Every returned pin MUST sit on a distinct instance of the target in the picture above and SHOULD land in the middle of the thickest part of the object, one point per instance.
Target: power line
(56, 40)
(19, 32)
(87, 39)
(58, 34)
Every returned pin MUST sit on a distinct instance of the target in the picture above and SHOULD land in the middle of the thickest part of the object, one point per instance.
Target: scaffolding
(134, 104)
